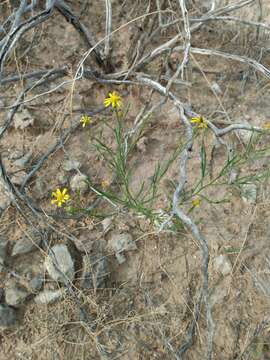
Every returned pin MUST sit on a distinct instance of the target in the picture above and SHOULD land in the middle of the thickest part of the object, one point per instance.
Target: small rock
(6, 196)
(69, 165)
(27, 243)
(23, 119)
(120, 243)
(64, 269)
(3, 245)
(95, 271)
(15, 295)
(79, 183)
(249, 193)
(62, 179)
(233, 176)
(216, 88)
(49, 296)
(8, 316)
(22, 161)
(222, 264)
(18, 178)
(36, 283)
(106, 224)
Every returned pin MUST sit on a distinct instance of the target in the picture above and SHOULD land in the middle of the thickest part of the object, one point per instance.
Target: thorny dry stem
(24, 19)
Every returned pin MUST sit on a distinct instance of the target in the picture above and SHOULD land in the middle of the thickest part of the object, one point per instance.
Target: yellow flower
(105, 184)
(60, 197)
(199, 120)
(85, 120)
(266, 126)
(114, 100)
(196, 202)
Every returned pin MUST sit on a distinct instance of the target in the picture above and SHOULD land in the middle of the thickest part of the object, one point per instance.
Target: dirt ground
(148, 303)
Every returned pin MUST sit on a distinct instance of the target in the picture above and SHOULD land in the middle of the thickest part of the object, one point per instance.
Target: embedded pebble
(120, 243)
(59, 264)
(23, 119)
(27, 243)
(3, 246)
(222, 264)
(15, 295)
(8, 316)
(79, 183)
(69, 165)
(23, 160)
(49, 296)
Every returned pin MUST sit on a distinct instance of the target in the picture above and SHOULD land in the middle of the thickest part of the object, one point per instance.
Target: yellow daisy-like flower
(60, 197)
(85, 120)
(200, 122)
(196, 202)
(105, 184)
(114, 100)
(266, 126)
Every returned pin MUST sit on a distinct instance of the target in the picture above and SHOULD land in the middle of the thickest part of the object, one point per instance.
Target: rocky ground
(99, 278)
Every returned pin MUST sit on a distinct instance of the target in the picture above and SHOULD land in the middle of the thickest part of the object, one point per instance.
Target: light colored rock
(106, 224)
(249, 193)
(95, 271)
(27, 243)
(8, 316)
(69, 165)
(120, 243)
(222, 264)
(6, 197)
(3, 246)
(216, 88)
(15, 295)
(79, 183)
(49, 296)
(23, 119)
(22, 161)
(59, 264)
(36, 283)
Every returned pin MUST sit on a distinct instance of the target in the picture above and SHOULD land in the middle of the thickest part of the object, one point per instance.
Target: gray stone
(49, 296)
(120, 243)
(79, 183)
(22, 161)
(6, 196)
(3, 246)
(23, 119)
(106, 224)
(95, 272)
(69, 165)
(27, 243)
(59, 264)
(216, 88)
(8, 316)
(15, 295)
(222, 264)
(36, 283)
